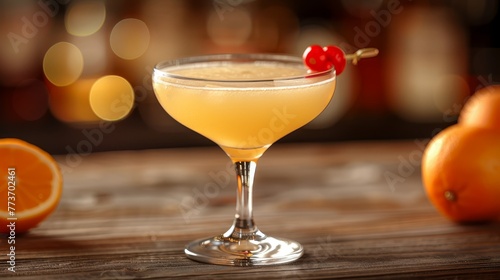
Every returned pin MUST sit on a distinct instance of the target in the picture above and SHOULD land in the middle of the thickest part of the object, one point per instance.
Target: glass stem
(243, 225)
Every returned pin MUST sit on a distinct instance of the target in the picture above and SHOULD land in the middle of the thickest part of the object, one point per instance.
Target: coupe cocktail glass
(244, 103)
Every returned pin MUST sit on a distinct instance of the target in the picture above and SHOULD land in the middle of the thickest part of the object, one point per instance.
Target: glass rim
(159, 69)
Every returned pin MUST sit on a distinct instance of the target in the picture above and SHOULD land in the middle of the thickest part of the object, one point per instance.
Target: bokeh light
(85, 18)
(63, 64)
(70, 104)
(111, 98)
(129, 38)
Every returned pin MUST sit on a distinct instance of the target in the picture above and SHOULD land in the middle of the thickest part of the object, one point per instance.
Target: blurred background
(75, 75)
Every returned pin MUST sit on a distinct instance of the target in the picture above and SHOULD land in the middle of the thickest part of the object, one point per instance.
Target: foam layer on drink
(241, 71)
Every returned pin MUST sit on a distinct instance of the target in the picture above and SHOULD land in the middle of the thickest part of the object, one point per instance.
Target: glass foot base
(229, 251)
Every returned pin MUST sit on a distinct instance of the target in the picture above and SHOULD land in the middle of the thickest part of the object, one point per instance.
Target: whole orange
(482, 109)
(461, 173)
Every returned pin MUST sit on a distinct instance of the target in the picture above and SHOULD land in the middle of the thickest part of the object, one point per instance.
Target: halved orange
(30, 186)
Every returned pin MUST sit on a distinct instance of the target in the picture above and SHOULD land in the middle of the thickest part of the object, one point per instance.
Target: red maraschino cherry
(337, 56)
(316, 59)
(319, 58)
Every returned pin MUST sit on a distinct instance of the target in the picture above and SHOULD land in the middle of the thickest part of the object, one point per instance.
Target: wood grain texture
(357, 208)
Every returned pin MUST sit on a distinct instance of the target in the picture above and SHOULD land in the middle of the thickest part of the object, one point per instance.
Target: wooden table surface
(358, 209)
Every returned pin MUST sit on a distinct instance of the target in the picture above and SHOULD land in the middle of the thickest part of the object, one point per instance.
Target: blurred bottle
(427, 64)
